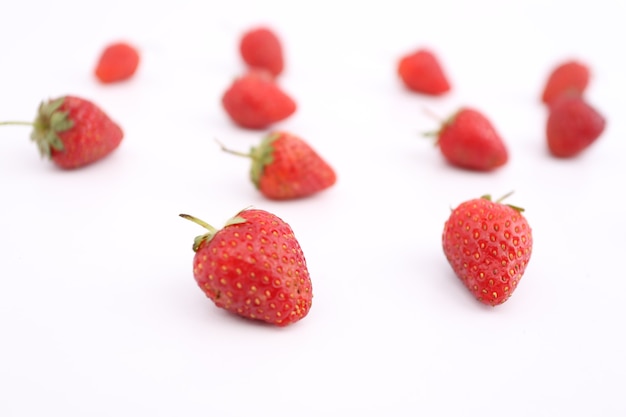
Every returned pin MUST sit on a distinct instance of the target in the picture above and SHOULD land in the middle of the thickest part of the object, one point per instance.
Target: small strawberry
(488, 245)
(253, 267)
(261, 48)
(572, 126)
(570, 77)
(421, 72)
(256, 101)
(469, 140)
(285, 167)
(73, 132)
(118, 62)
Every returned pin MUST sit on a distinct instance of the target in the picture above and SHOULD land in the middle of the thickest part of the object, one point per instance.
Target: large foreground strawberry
(73, 132)
(253, 267)
(488, 245)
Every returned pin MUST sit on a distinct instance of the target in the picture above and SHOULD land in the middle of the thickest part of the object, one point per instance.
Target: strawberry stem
(15, 123)
(233, 152)
(200, 222)
(198, 240)
(504, 197)
(202, 238)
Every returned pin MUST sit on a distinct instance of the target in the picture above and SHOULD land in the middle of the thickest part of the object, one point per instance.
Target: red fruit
(571, 77)
(285, 167)
(572, 126)
(73, 132)
(253, 267)
(469, 140)
(488, 245)
(118, 62)
(255, 101)
(260, 48)
(421, 72)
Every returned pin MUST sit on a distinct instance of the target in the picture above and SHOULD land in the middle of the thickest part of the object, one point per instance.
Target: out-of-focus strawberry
(261, 48)
(256, 101)
(118, 62)
(73, 132)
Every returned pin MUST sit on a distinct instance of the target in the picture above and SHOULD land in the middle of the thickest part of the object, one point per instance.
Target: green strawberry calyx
(46, 127)
(49, 122)
(261, 155)
(501, 199)
(212, 231)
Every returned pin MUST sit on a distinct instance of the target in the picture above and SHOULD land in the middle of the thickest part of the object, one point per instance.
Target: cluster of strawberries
(468, 139)
(254, 266)
(488, 244)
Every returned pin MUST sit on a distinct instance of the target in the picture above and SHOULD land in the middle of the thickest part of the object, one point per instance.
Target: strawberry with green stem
(488, 244)
(73, 132)
(253, 267)
(286, 167)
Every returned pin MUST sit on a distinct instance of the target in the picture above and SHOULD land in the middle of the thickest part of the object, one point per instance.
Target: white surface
(99, 313)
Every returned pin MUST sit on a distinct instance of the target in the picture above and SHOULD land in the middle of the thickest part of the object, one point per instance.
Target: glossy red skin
(261, 48)
(118, 62)
(572, 126)
(256, 102)
(92, 137)
(570, 77)
(468, 140)
(296, 171)
(488, 245)
(421, 72)
(256, 270)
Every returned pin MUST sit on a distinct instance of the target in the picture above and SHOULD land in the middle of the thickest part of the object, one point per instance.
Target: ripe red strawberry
(572, 126)
(469, 140)
(571, 77)
(253, 267)
(421, 72)
(73, 132)
(285, 167)
(118, 62)
(255, 101)
(261, 48)
(488, 244)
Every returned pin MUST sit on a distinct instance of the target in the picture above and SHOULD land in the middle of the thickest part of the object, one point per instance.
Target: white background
(99, 312)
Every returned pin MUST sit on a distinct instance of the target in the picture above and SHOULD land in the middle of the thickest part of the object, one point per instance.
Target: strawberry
(488, 245)
(73, 132)
(118, 62)
(255, 101)
(469, 140)
(261, 48)
(253, 267)
(570, 77)
(572, 126)
(285, 167)
(421, 72)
